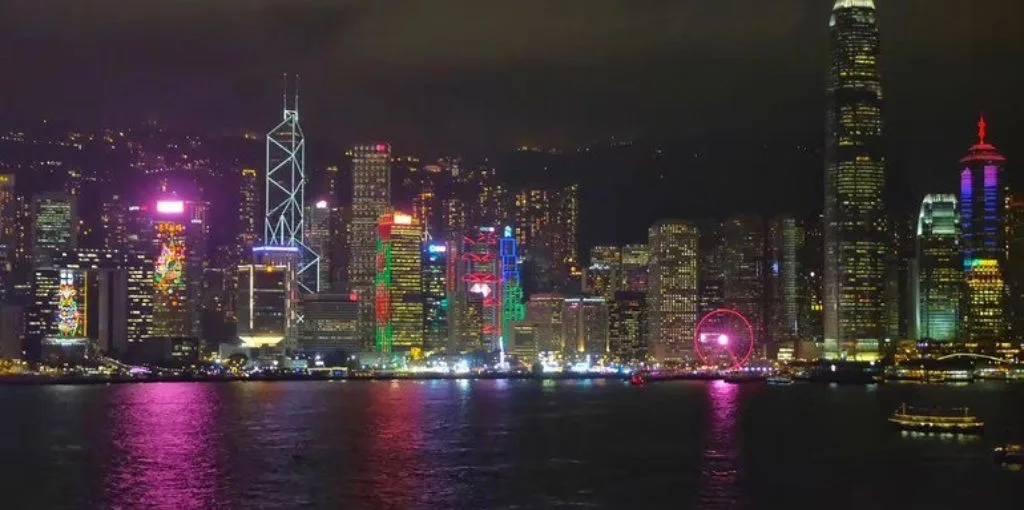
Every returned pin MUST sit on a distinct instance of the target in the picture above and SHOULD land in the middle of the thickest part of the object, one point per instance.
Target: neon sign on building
(69, 318)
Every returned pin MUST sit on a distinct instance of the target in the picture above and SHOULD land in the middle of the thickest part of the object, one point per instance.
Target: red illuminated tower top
(983, 151)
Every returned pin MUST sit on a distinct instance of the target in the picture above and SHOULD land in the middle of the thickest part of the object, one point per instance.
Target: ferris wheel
(724, 338)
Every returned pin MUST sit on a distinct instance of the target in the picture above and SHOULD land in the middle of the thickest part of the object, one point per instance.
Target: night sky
(447, 75)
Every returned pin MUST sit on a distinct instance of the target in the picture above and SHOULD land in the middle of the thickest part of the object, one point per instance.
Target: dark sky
(437, 75)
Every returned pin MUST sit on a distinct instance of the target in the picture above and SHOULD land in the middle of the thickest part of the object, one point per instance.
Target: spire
(295, 106)
(982, 130)
(284, 91)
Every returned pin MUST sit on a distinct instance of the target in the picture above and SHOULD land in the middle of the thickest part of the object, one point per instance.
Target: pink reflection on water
(720, 468)
(166, 447)
(396, 440)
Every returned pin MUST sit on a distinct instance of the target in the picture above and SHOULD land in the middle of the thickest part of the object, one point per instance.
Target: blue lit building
(939, 269)
(982, 221)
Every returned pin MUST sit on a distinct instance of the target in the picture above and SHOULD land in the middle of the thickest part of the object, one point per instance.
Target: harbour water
(498, 444)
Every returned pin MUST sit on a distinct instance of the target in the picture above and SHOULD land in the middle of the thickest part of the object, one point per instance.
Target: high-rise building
(475, 313)
(636, 259)
(248, 213)
(1015, 264)
(547, 222)
(585, 326)
(371, 199)
(55, 225)
(398, 298)
(743, 285)
(784, 303)
(114, 221)
(263, 305)
(318, 237)
(8, 216)
(510, 298)
(328, 327)
(604, 273)
(672, 296)
(140, 274)
(856, 245)
(454, 216)
(627, 325)
(435, 295)
(175, 311)
(544, 312)
(939, 269)
(812, 312)
(982, 227)
(711, 264)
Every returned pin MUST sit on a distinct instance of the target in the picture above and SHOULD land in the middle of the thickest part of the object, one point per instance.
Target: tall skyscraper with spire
(982, 226)
(371, 199)
(856, 244)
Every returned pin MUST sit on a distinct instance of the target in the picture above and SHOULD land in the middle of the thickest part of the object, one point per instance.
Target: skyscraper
(398, 298)
(318, 237)
(784, 302)
(636, 258)
(672, 296)
(585, 326)
(264, 304)
(982, 226)
(627, 325)
(435, 295)
(603, 275)
(55, 225)
(248, 213)
(371, 199)
(744, 279)
(940, 269)
(856, 245)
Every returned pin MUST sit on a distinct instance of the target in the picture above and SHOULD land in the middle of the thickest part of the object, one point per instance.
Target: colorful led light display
(170, 266)
(170, 206)
(68, 316)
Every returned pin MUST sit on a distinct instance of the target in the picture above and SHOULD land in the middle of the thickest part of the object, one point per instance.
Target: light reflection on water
(720, 470)
(166, 445)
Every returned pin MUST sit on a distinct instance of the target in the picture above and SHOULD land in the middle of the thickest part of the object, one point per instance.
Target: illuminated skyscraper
(604, 274)
(547, 222)
(982, 226)
(744, 270)
(544, 312)
(398, 299)
(476, 308)
(435, 295)
(672, 296)
(454, 216)
(940, 269)
(248, 212)
(114, 221)
(856, 245)
(318, 237)
(285, 196)
(175, 310)
(55, 225)
(783, 303)
(711, 266)
(371, 199)
(627, 325)
(636, 259)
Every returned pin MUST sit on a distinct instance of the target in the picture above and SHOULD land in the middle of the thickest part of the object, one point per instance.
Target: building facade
(398, 284)
(672, 296)
(371, 198)
(855, 240)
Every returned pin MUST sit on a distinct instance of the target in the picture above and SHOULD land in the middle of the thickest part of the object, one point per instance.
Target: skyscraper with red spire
(982, 226)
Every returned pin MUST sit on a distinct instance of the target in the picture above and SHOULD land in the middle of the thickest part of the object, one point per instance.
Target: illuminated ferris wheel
(724, 338)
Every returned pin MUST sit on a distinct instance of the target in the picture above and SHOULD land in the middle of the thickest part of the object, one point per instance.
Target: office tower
(744, 271)
(711, 264)
(585, 326)
(435, 295)
(940, 269)
(55, 225)
(371, 199)
(982, 226)
(318, 237)
(492, 200)
(140, 287)
(1015, 264)
(475, 320)
(627, 327)
(565, 238)
(785, 242)
(672, 296)
(511, 289)
(544, 313)
(331, 185)
(856, 245)
(263, 305)
(328, 327)
(398, 299)
(114, 222)
(547, 222)
(249, 217)
(340, 236)
(80, 301)
(604, 273)
(812, 310)
(285, 196)
(12, 331)
(636, 259)
(175, 312)
(425, 210)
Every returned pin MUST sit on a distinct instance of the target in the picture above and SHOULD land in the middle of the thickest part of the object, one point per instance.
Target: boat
(1009, 454)
(779, 380)
(743, 377)
(955, 420)
(637, 379)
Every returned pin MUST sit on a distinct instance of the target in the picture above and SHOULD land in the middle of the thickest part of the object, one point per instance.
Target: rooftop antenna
(284, 91)
(296, 105)
(982, 129)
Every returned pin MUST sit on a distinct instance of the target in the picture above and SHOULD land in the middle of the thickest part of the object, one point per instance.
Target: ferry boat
(1009, 454)
(956, 420)
(779, 380)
